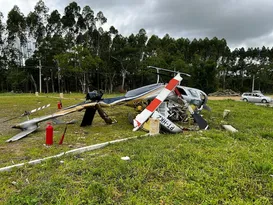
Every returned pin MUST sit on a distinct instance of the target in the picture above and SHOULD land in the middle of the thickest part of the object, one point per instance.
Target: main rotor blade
(172, 71)
(149, 110)
(207, 108)
(23, 133)
(39, 108)
(28, 112)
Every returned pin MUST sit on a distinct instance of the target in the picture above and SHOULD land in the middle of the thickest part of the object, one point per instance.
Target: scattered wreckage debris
(226, 113)
(154, 126)
(229, 128)
(167, 102)
(227, 92)
(126, 158)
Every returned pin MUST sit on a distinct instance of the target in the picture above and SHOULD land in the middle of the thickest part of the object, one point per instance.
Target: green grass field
(202, 167)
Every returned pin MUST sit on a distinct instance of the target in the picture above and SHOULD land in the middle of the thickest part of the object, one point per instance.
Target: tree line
(75, 53)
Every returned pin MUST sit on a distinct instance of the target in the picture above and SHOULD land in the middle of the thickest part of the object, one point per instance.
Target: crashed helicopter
(167, 102)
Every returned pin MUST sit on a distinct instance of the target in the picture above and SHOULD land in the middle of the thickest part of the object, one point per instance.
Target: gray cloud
(241, 23)
(230, 20)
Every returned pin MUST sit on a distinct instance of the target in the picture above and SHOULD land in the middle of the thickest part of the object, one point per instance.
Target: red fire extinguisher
(49, 134)
(60, 105)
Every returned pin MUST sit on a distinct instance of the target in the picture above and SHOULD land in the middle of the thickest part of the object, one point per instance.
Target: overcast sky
(246, 23)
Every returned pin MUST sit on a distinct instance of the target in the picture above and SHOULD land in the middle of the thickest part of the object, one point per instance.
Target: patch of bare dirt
(224, 97)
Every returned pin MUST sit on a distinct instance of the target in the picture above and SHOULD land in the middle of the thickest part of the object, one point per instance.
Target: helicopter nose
(16, 126)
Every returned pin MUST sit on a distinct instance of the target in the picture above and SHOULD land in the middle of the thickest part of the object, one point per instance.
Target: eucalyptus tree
(204, 74)
(57, 44)
(193, 49)
(37, 22)
(106, 73)
(16, 39)
(216, 48)
(54, 24)
(152, 45)
(127, 55)
(69, 22)
(88, 26)
(3, 60)
(160, 53)
(16, 26)
(78, 62)
(137, 56)
(240, 67)
(49, 48)
(180, 65)
(168, 48)
(262, 69)
(183, 45)
(116, 58)
(224, 61)
(2, 30)
(100, 40)
(224, 65)
(16, 33)
(98, 31)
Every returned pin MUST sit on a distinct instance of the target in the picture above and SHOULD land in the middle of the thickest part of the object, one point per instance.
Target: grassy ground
(204, 167)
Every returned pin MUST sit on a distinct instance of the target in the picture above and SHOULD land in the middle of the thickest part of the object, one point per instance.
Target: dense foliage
(76, 53)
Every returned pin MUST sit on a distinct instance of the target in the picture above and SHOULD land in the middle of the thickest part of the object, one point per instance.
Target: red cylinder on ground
(49, 134)
(59, 105)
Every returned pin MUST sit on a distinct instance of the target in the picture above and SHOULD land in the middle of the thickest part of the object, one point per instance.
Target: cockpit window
(193, 93)
(182, 91)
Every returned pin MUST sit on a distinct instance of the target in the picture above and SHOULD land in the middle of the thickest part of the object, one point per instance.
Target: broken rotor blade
(23, 133)
(141, 118)
(172, 71)
(202, 123)
(39, 108)
(30, 126)
(28, 112)
(207, 108)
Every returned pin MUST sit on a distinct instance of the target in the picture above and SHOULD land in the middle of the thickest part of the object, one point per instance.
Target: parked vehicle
(255, 97)
(256, 91)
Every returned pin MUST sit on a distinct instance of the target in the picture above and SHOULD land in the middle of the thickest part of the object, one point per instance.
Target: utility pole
(253, 80)
(59, 76)
(40, 76)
